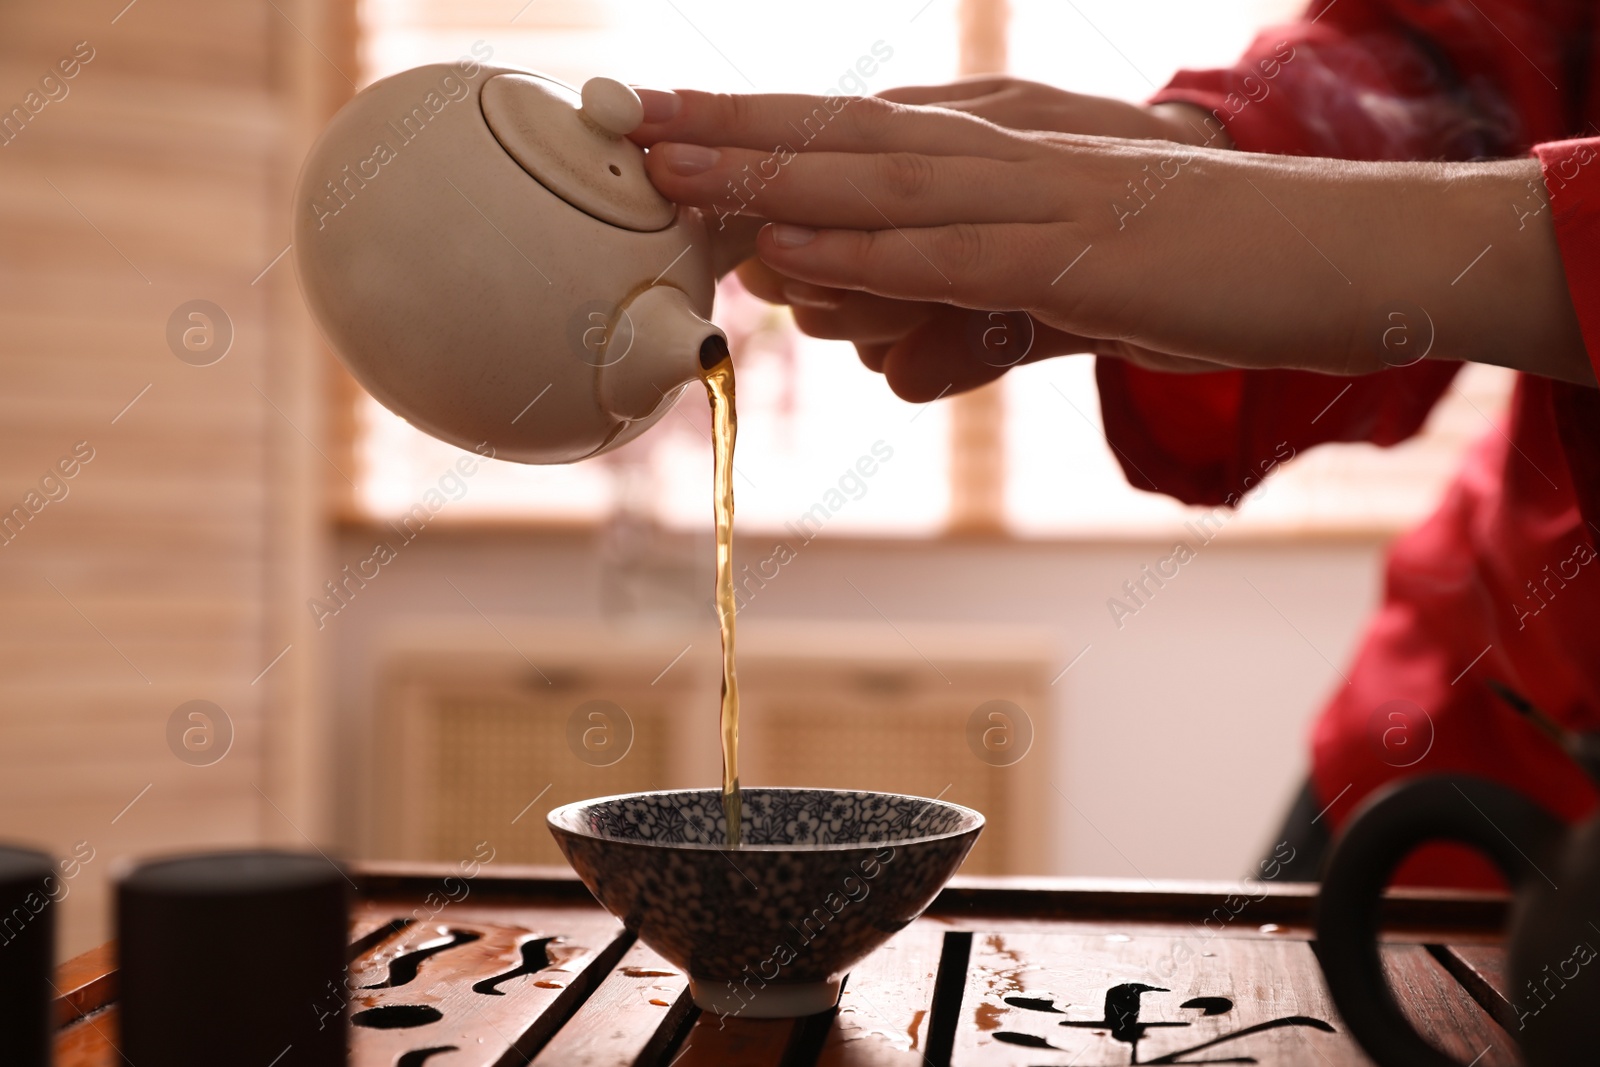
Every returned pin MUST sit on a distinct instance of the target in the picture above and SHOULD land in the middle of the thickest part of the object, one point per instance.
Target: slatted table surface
(524, 967)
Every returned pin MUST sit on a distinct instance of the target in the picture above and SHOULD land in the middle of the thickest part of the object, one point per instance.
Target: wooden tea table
(999, 971)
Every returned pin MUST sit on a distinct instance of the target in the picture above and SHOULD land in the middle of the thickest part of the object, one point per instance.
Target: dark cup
(28, 884)
(234, 957)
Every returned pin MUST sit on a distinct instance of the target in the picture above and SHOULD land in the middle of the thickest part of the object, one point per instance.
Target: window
(808, 409)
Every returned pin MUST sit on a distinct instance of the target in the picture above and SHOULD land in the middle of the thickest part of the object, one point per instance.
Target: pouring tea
(485, 253)
(474, 241)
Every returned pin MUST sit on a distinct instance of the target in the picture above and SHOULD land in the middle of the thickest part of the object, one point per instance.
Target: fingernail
(800, 294)
(687, 159)
(659, 104)
(787, 236)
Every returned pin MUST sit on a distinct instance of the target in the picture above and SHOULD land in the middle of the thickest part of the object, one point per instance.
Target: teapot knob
(612, 106)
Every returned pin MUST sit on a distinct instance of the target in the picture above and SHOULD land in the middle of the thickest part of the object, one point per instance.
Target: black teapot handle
(1513, 831)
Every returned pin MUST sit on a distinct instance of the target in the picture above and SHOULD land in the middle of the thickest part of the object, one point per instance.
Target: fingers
(876, 325)
(762, 281)
(872, 354)
(944, 355)
(852, 190)
(818, 297)
(965, 89)
(879, 326)
(936, 360)
(838, 315)
(816, 123)
(1000, 267)
(835, 314)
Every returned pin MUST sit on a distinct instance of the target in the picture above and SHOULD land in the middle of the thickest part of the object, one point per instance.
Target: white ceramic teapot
(483, 250)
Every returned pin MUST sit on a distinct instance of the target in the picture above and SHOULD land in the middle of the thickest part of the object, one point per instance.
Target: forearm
(1490, 276)
(1458, 260)
(1347, 267)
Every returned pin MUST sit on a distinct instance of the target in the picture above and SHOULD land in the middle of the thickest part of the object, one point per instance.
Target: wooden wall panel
(177, 565)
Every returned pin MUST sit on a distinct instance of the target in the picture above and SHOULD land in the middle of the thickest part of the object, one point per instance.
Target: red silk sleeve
(1572, 179)
(1352, 83)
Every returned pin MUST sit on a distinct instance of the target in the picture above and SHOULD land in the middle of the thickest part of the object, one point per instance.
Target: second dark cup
(234, 957)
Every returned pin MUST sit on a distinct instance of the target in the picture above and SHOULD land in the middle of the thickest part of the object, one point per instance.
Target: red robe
(1502, 582)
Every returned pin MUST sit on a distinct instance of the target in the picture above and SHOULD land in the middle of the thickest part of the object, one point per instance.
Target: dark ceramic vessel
(281, 920)
(821, 878)
(1553, 961)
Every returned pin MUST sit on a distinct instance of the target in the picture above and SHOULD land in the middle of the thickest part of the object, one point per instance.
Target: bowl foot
(784, 1000)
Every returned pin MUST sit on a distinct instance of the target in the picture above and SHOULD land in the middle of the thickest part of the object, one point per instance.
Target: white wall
(1185, 729)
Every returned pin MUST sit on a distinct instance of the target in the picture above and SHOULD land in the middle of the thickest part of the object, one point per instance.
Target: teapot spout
(670, 344)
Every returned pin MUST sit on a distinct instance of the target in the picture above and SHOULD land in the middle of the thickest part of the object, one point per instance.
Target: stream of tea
(724, 427)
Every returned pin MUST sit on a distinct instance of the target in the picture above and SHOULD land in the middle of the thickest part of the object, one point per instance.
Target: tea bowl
(821, 878)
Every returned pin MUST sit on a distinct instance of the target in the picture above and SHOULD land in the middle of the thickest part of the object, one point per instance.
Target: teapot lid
(576, 146)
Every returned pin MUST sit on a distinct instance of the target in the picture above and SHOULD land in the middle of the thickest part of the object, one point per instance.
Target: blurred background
(189, 661)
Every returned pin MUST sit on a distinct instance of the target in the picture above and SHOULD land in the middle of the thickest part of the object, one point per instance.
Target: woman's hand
(929, 349)
(1239, 259)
